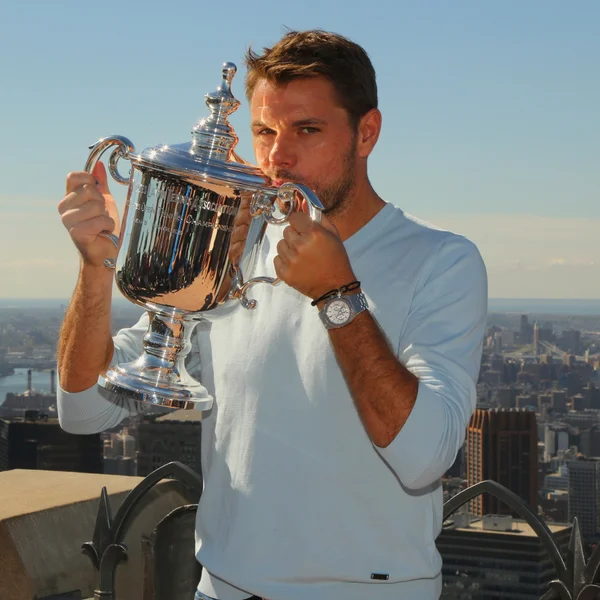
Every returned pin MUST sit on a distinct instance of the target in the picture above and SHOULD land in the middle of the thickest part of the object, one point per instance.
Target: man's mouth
(278, 178)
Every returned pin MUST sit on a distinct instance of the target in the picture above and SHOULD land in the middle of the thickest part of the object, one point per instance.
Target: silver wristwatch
(340, 310)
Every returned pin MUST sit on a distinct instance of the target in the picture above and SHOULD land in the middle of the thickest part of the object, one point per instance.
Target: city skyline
(489, 111)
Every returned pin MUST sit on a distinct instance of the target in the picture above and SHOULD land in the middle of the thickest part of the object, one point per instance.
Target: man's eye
(309, 130)
(265, 131)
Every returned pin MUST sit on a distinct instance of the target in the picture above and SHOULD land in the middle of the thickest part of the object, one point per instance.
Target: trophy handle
(261, 203)
(124, 147)
(287, 194)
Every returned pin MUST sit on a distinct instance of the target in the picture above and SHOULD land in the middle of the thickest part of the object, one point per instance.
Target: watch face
(338, 311)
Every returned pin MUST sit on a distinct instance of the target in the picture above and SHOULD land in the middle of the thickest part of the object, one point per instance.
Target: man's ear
(369, 127)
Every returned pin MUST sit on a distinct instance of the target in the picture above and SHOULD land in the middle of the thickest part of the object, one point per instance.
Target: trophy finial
(214, 135)
(229, 70)
(222, 97)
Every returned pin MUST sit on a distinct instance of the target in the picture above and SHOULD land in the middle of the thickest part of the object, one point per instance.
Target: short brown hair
(316, 52)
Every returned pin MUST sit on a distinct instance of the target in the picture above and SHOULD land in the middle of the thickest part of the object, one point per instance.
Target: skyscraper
(584, 495)
(502, 445)
(556, 437)
(525, 331)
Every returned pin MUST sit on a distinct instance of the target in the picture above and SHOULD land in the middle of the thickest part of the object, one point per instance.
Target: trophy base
(119, 383)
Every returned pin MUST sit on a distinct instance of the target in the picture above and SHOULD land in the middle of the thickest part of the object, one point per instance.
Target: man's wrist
(321, 303)
(96, 271)
(342, 290)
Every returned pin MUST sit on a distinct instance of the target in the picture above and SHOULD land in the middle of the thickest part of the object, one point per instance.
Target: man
(332, 424)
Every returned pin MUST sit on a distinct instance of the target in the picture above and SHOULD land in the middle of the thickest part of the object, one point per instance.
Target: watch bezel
(344, 300)
(350, 300)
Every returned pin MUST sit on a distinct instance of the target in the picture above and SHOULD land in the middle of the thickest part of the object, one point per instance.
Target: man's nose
(283, 154)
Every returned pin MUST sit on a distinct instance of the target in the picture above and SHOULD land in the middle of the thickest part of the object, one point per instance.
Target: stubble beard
(336, 197)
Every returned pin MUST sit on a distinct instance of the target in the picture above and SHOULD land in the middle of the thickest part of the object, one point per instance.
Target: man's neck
(363, 206)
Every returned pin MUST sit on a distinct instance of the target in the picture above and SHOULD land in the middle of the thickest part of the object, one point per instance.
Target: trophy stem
(159, 375)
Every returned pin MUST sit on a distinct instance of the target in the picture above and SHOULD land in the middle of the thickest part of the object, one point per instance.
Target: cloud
(38, 276)
(533, 255)
(508, 237)
(21, 204)
(28, 262)
(526, 255)
(564, 262)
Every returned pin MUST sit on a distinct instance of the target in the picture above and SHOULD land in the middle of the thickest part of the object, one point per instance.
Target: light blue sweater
(298, 502)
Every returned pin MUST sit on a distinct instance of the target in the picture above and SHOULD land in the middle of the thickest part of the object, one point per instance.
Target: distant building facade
(584, 495)
(172, 437)
(37, 442)
(503, 445)
(589, 441)
(525, 331)
(495, 558)
(556, 438)
(120, 466)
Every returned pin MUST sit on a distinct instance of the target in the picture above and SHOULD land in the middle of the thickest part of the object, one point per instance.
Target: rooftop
(181, 415)
(519, 527)
(46, 516)
(24, 492)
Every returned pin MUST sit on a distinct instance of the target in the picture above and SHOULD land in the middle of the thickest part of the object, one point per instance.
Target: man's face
(302, 134)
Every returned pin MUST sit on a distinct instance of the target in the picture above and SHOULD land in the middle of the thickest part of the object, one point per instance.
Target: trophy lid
(210, 156)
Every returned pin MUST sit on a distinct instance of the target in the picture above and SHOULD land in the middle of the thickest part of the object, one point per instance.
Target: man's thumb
(326, 223)
(99, 172)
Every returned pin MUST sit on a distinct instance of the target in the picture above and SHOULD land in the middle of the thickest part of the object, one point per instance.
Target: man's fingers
(328, 225)
(86, 193)
(284, 251)
(291, 236)
(89, 211)
(92, 227)
(242, 216)
(280, 268)
(239, 234)
(235, 252)
(99, 173)
(300, 221)
(77, 179)
(303, 224)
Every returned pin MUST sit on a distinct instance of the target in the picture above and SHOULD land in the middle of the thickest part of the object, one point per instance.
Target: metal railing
(107, 550)
(577, 579)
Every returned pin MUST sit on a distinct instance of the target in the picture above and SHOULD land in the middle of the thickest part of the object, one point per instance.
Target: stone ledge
(45, 516)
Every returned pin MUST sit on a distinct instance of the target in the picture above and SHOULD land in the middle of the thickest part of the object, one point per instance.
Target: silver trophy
(173, 251)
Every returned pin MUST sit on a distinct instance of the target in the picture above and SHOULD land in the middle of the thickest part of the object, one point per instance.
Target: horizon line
(528, 298)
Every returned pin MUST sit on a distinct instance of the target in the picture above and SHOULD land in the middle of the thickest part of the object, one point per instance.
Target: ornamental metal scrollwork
(107, 550)
(577, 579)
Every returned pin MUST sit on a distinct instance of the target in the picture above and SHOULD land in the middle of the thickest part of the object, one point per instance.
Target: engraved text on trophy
(177, 239)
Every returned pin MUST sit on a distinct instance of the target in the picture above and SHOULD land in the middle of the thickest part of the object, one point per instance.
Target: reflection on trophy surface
(174, 255)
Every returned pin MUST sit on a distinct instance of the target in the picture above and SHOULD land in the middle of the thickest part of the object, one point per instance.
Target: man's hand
(85, 345)
(87, 210)
(311, 256)
(241, 225)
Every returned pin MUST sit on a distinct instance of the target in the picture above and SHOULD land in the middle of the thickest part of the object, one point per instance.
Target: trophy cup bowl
(173, 250)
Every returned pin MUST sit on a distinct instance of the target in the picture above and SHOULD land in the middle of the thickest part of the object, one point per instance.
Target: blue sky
(490, 111)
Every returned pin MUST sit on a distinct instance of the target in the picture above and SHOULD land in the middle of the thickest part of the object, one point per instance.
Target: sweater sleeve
(88, 411)
(441, 343)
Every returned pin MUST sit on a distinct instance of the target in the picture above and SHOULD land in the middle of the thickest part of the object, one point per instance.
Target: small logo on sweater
(380, 576)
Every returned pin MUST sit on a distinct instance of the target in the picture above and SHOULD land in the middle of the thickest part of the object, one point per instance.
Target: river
(17, 383)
